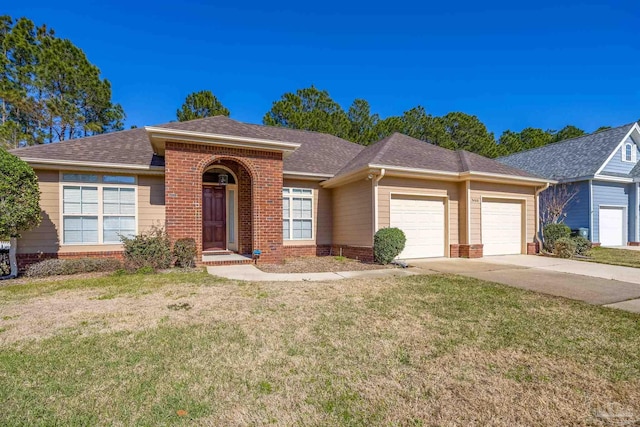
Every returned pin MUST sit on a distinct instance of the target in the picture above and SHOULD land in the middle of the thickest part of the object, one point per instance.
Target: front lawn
(623, 257)
(188, 348)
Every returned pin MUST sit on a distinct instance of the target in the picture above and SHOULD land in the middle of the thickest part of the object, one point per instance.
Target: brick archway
(262, 171)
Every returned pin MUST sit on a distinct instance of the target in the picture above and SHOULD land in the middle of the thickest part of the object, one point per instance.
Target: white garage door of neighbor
(611, 228)
(422, 221)
(501, 227)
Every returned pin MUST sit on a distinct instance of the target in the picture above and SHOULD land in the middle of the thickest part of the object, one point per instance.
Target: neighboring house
(603, 168)
(237, 187)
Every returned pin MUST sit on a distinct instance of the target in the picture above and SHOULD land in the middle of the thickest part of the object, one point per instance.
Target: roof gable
(572, 158)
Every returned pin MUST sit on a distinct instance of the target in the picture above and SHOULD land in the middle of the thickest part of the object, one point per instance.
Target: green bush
(5, 267)
(387, 244)
(58, 267)
(583, 245)
(565, 247)
(151, 249)
(184, 251)
(553, 232)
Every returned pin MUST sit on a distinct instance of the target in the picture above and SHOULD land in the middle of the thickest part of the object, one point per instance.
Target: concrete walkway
(251, 273)
(599, 284)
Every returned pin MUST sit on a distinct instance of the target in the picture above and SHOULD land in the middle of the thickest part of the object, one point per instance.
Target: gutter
(374, 183)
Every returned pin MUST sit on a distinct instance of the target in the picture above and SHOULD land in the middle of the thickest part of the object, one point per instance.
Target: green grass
(623, 257)
(422, 350)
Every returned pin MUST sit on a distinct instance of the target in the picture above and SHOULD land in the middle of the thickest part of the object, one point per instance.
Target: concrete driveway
(599, 284)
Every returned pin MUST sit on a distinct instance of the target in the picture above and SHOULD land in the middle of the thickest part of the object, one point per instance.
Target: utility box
(584, 232)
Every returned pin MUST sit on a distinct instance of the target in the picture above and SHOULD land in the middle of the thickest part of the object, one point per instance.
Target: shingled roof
(403, 151)
(318, 153)
(572, 158)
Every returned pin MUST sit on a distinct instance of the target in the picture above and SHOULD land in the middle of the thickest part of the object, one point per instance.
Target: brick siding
(471, 251)
(259, 195)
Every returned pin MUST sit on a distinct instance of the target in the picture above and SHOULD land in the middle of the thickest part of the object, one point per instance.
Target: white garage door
(501, 227)
(611, 224)
(422, 221)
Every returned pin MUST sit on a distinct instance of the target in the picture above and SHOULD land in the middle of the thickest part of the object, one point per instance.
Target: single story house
(237, 188)
(603, 169)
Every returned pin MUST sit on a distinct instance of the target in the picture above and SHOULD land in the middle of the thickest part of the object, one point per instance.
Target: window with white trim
(99, 211)
(629, 153)
(297, 213)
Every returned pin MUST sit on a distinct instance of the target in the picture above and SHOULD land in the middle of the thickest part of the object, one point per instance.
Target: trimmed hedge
(387, 244)
(59, 267)
(553, 232)
(184, 251)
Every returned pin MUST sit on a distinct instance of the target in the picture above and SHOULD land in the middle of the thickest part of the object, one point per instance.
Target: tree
(567, 132)
(19, 201)
(49, 91)
(363, 123)
(601, 128)
(201, 104)
(309, 109)
(467, 132)
(513, 142)
(554, 202)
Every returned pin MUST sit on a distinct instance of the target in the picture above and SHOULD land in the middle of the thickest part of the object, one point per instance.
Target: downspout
(375, 182)
(537, 196)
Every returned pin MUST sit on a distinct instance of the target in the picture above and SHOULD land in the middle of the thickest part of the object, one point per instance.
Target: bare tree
(554, 202)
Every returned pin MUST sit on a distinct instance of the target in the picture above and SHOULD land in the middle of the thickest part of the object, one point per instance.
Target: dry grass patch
(319, 264)
(421, 350)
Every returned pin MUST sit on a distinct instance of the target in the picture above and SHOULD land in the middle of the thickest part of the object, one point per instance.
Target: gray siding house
(604, 169)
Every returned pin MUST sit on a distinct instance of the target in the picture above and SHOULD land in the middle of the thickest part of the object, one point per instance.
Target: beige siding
(391, 185)
(150, 202)
(480, 190)
(47, 237)
(462, 214)
(352, 214)
(322, 222)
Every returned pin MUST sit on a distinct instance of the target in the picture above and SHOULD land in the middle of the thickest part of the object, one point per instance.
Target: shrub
(553, 232)
(387, 244)
(583, 245)
(57, 267)
(151, 249)
(184, 251)
(564, 247)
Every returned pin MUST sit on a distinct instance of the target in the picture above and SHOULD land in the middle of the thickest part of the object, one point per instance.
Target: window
(629, 152)
(80, 207)
(119, 213)
(297, 213)
(97, 213)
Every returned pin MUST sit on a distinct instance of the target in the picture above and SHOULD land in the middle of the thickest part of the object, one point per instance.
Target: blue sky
(543, 64)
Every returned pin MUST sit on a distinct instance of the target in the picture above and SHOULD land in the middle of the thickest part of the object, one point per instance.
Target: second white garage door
(501, 227)
(611, 222)
(423, 222)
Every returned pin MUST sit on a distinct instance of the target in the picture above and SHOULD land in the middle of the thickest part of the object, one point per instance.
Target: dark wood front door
(214, 217)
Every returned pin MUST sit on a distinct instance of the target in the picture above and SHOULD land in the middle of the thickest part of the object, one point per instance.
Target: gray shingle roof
(318, 153)
(403, 151)
(572, 158)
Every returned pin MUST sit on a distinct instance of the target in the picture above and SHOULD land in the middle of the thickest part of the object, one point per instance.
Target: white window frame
(633, 152)
(291, 195)
(100, 185)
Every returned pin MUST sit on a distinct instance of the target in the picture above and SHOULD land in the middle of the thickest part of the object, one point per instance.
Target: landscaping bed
(319, 264)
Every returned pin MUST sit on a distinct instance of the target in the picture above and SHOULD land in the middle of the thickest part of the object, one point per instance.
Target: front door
(214, 218)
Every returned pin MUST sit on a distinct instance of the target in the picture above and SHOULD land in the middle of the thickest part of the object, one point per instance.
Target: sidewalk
(251, 273)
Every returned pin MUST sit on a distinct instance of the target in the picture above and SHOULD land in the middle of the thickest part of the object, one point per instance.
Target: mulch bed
(319, 265)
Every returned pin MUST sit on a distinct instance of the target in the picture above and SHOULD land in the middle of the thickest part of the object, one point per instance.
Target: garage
(612, 226)
(423, 221)
(501, 227)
